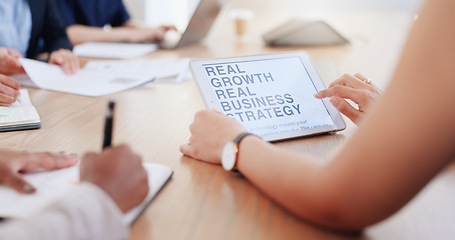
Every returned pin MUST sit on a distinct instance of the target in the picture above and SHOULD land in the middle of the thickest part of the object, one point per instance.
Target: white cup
(241, 17)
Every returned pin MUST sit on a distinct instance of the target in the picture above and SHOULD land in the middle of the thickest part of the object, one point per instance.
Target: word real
(234, 88)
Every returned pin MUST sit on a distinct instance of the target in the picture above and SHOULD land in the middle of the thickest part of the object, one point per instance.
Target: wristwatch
(230, 152)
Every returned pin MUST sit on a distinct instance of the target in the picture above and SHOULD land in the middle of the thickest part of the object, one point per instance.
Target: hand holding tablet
(271, 95)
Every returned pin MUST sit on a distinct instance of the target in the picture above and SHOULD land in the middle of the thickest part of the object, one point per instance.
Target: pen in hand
(109, 124)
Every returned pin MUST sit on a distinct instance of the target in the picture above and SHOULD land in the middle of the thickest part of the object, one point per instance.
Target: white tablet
(271, 95)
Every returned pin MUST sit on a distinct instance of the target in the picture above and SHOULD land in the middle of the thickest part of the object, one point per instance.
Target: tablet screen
(269, 96)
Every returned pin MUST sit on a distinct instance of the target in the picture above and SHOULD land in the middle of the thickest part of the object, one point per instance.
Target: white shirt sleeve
(87, 212)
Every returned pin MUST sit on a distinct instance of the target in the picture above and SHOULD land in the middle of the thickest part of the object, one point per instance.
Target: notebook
(52, 184)
(21, 115)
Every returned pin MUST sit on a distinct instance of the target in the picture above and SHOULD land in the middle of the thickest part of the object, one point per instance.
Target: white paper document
(20, 115)
(24, 80)
(84, 82)
(177, 69)
(52, 184)
(114, 50)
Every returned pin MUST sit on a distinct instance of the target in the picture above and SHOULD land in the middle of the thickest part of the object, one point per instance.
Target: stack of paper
(160, 69)
(113, 50)
(20, 115)
(100, 78)
(88, 83)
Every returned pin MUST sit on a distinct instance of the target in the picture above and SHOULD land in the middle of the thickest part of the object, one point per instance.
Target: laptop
(198, 26)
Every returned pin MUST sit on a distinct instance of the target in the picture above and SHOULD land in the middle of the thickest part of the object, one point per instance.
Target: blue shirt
(95, 13)
(15, 25)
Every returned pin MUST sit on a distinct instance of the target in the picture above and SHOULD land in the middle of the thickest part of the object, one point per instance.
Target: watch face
(229, 156)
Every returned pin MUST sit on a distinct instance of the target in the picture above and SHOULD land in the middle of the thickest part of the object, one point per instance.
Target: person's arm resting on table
(131, 34)
(112, 183)
(14, 162)
(402, 143)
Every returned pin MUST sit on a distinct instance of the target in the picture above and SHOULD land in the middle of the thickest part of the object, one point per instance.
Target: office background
(202, 201)
(156, 12)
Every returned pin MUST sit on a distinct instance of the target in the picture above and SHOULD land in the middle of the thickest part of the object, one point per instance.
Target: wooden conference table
(202, 201)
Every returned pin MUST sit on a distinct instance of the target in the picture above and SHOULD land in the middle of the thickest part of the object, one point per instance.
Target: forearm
(130, 23)
(79, 34)
(329, 195)
(291, 179)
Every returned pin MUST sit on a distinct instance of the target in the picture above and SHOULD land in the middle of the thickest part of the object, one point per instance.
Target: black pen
(109, 124)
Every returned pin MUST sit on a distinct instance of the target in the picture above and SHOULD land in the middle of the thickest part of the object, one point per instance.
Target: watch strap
(237, 141)
(240, 137)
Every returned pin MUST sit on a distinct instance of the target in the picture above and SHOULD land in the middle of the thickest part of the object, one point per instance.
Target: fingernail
(334, 101)
(28, 189)
(62, 152)
(73, 155)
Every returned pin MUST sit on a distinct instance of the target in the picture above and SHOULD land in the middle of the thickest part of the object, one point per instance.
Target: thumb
(16, 181)
(14, 53)
(58, 60)
(345, 108)
(185, 149)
